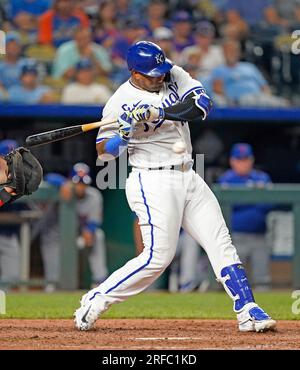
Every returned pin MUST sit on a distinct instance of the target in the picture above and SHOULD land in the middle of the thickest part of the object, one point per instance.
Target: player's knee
(161, 261)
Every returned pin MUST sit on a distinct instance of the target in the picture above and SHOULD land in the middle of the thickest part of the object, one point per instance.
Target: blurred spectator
(32, 7)
(4, 19)
(9, 235)
(89, 207)
(126, 9)
(287, 9)
(85, 90)
(106, 30)
(182, 28)
(211, 55)
(24, 15)
(234, 25)
(59, 24)
(192, 68)
(30, 91)
(89, 7)
(71, 52)
(191, 59)
(26, 25)
(156, 16)
(132, 31)
(258, 12)
(12, 63)
(164, 37)
(248, 222)
(241, 83)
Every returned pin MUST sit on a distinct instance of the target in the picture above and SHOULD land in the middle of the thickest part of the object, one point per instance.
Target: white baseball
(179, 147)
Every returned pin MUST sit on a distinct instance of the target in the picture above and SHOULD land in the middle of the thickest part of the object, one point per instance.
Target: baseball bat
(63, 133)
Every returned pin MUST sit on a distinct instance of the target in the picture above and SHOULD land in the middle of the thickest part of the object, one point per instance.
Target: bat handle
(91, 126)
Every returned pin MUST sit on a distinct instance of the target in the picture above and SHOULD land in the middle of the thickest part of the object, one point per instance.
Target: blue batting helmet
(148, 58)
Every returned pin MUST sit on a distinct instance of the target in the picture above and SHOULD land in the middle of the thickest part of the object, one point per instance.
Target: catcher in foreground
(20, 174)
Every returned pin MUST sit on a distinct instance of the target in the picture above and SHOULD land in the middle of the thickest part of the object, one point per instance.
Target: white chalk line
(168, 338)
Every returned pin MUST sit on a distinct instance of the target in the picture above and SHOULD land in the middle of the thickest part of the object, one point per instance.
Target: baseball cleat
(87, 314)
(253, 318)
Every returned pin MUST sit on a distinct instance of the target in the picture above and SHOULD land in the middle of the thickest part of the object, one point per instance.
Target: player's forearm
(185, 111)
(195, 106)
(111, 148)
(192, 108)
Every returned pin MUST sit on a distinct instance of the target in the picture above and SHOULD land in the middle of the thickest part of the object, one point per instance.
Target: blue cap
(12, 36)
(81, 173)
(241, 151)
(205, 28)
(182, 16)
(55, 179)
(84, 64)
(29, 67)
(6, 146)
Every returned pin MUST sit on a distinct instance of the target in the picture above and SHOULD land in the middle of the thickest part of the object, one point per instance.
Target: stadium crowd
(74, 52)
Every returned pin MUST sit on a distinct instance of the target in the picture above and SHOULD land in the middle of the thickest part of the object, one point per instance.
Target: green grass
(147, 305)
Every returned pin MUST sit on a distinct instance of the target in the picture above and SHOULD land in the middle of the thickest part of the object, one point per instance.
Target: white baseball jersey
(151, 143)
(163, 200)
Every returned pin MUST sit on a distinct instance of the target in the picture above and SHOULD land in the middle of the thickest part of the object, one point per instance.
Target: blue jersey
(11, 229)
(34, 7)
(248, 218)
(63, 29)
(10, 73)
(242, 79)
(18, 94)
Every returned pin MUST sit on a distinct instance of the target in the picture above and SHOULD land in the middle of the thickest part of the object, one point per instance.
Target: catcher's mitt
(24, 174)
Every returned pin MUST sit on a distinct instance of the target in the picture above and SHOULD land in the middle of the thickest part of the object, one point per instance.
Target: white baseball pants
(165, 200)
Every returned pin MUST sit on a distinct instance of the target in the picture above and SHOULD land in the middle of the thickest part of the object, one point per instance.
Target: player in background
(89, 206)
(153, 108)
(249, 220)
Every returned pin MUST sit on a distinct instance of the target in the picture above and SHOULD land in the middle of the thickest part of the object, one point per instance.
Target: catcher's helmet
(148, 58)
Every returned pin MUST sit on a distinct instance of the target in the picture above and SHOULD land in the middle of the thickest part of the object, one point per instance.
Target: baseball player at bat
(154, 107)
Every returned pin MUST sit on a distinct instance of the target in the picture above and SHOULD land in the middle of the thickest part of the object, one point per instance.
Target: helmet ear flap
(167, 77)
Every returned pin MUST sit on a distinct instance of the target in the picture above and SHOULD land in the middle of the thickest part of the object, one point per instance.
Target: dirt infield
(144, 334)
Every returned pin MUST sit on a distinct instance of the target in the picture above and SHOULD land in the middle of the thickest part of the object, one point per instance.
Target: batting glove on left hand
(147, 113)
(126, 125)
